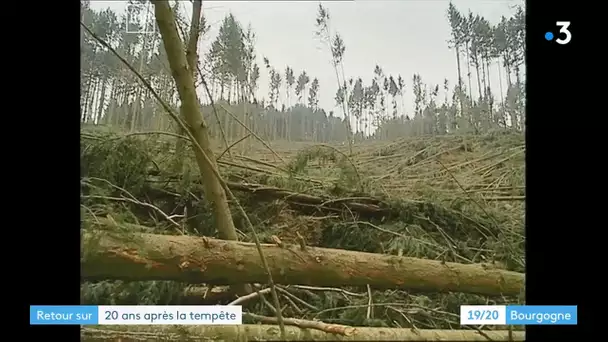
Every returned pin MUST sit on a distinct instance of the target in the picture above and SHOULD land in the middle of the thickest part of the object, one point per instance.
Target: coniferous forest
(111, 95)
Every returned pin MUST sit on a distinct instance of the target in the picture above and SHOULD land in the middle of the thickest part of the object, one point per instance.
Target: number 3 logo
(564, 29)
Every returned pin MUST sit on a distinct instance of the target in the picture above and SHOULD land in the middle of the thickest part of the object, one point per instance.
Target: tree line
(368, 109)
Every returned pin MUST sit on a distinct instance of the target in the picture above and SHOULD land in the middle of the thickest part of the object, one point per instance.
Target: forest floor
(459, 198)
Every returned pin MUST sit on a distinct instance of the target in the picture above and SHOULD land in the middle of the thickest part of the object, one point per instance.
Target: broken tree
(191, 112)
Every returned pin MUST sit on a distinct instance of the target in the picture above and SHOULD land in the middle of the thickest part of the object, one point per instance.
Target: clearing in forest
(454, 199)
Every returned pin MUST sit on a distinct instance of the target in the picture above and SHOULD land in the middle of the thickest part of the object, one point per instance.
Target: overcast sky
(402, 36)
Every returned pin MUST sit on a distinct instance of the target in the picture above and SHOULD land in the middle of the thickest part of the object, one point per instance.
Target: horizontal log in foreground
(120, 255)
(256, 332)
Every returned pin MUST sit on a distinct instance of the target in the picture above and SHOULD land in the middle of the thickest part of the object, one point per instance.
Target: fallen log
(122, 255)
(257, 332)
(365, 207)
(374, 208)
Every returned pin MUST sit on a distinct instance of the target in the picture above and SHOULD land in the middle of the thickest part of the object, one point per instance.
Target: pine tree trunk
(267, 332)
(90, 103)
(507, 69)
(484, 77)
(120, 112)
(102, 100)
(469, 75)
(490, 95)
(86, 85)
(192, 112)
(459, 81)
(107, 119)
(478, 79)
(143, 257)
(287, 116)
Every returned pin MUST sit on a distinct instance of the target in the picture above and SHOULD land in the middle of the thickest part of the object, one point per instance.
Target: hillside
(451, 198)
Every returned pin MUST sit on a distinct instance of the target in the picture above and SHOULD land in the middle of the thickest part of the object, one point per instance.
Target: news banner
(233, 314)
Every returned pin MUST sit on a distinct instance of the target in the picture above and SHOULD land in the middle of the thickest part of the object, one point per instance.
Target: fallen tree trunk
(122, 255)
(374, 207)
(366, 207)
(256, 332)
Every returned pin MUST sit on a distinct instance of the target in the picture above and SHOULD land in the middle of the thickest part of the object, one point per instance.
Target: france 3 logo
(564, 35)
(140, 19)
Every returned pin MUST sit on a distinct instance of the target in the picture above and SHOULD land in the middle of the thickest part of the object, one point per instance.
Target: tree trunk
(488, 62)
(138, 106)
(502, 96)
(251, 332)
(229, 92)
(135, 109)
(227, 126)
(164, 93)
(102, 101)
(507, 69)
(192, 60)
(191, 110)
(120, 112)
(484, 77)
(242, 98)
(480, 88)
(459, 82)
(141, 257)
(288, 116)
(107, 119)
(91, 103)
(490, 101)
(82, 99)
(84, 103)
(469, 74)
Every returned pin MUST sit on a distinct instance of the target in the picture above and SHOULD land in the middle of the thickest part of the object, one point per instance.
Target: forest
(374, 221)
(111, 94)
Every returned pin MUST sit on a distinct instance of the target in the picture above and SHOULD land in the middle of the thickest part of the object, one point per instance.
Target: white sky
(402, 36)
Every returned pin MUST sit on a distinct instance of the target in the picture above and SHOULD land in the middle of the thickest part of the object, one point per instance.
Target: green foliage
(131, 293)
(121, 161)
(348, 176)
